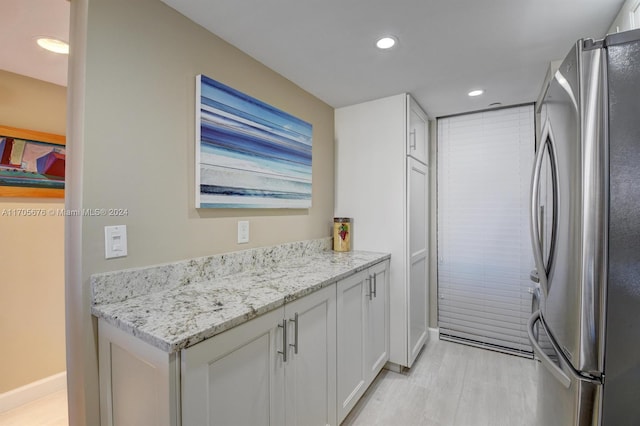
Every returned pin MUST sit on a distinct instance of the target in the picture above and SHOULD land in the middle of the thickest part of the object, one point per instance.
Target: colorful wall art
(31, 163)
(249, 154)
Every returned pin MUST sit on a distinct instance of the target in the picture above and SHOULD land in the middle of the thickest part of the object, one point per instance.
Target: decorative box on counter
(341, 234)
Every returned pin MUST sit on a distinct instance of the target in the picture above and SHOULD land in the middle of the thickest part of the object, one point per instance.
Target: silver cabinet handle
(295, 333)
(375, 286)
(412, 145)
(284, 340)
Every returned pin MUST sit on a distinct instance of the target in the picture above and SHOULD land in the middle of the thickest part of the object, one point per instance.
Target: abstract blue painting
(249, 154)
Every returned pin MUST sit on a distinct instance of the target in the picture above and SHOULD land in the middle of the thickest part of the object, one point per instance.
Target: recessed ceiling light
(53, 45)
(386, 42)
(477, 92)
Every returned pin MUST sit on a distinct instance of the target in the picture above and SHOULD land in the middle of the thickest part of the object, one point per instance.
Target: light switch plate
(115, 241)
(243, 231)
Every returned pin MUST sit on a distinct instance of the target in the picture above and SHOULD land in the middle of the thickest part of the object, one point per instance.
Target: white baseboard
(32, 391)
(434, 333)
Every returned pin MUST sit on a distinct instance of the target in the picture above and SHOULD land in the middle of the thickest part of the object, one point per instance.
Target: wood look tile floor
(50, 410)
(451, 384)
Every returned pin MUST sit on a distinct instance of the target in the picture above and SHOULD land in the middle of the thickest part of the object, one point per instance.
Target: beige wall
(32, 104)
(136, 141)
(31, 249)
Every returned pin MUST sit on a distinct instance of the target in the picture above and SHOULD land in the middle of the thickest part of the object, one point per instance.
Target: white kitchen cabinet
(306, 362)
(418, 132)
(418, 250)
(382, 183)
(139, 383)
(352, 370)
(236, 377)
(377, 314)
(310, 370)
(253, 375)
(363, 333)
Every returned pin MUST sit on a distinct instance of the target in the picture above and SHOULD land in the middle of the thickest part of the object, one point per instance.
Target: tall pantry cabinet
(382, 183)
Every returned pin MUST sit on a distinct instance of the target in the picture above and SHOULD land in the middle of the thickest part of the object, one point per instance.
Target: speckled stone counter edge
(158, 319)
(116, 286)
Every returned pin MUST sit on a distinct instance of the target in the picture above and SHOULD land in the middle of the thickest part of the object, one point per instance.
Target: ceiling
(21, 21)
(446, 47)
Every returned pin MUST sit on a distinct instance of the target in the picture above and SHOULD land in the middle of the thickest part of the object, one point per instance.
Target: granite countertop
(176, 318)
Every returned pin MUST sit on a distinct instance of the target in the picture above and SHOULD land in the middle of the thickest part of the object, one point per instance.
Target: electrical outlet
(243, 231)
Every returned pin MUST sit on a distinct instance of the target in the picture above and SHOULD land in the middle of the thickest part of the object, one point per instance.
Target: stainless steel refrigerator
(585, 228)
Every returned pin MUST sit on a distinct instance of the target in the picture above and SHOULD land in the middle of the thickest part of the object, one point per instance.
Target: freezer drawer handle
(546, 361)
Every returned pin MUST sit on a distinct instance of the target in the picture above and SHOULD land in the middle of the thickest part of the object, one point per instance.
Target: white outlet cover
(115, 241)
(243, 231)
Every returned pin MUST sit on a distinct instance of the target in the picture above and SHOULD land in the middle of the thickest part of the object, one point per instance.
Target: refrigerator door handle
(544, 266)
(535, 220)
(544, 358)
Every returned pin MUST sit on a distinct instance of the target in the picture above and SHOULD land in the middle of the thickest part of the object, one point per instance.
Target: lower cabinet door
(352, 370)
(377, 338)
(310, 370)
(237, 377)
(418, 308)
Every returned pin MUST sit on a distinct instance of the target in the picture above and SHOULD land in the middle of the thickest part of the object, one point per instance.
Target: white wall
(624, 20)
(132, 134)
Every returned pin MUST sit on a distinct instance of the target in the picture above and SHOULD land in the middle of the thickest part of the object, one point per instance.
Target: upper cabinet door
(417, 132)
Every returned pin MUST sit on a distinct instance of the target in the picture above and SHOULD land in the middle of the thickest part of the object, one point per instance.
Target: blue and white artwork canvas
(249, 154)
